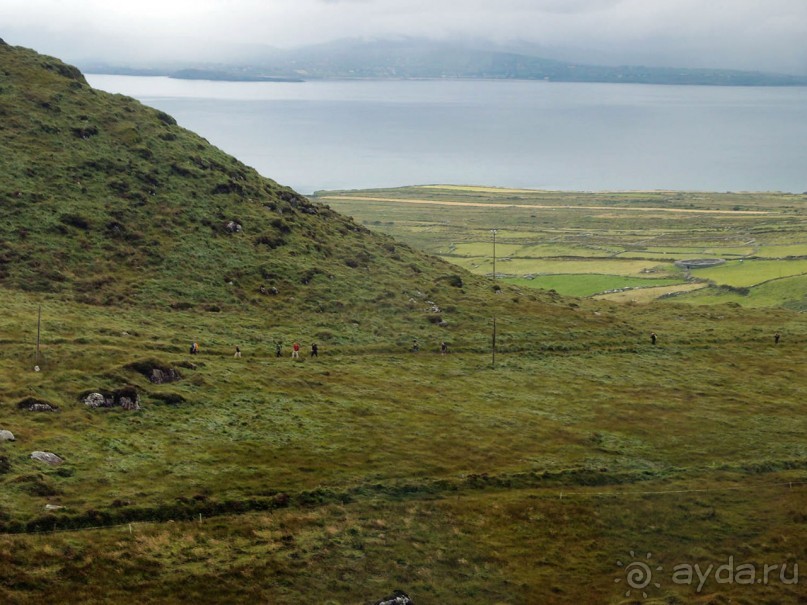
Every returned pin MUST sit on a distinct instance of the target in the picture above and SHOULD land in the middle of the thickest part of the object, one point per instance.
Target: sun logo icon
(638, 574)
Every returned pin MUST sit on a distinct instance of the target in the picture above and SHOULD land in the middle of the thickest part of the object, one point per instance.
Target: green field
(783, 251)
(581, 284)
(752, 272)
(787, 292)
(562, 240)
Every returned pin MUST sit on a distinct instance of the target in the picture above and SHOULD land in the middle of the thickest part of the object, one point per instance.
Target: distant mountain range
(417, 58)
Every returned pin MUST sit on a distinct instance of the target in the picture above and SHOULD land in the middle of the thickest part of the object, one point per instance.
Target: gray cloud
(741, 34)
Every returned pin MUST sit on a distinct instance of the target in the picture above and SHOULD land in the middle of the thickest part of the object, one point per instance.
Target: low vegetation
(535, 476)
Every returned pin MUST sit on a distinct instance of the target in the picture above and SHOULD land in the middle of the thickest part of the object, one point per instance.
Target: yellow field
(646, 295)
(491, 204)
(477, 189)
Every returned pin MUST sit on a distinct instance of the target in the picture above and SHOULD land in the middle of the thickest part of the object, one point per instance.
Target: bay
(521, 134)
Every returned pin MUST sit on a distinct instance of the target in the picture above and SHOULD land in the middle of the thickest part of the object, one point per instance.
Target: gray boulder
(163, 375)
(95, 400)
(34, 405)
(7, 436)
(398, 597)
(46, 457)
(128, 398)
(130, 402)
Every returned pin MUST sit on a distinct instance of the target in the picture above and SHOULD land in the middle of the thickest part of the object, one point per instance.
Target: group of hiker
(295, 348)
(776, 338)
(416, 347)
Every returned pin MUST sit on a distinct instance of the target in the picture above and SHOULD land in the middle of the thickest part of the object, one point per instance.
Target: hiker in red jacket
(295, 351)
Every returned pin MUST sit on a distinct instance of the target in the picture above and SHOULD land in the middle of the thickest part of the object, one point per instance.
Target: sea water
(525, 134)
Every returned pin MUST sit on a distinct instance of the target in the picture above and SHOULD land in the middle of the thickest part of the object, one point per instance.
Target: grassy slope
(434, 474)
(106, 201)
(383, 469)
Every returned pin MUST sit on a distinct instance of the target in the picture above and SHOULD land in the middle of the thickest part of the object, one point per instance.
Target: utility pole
(493, 362)
(38, 332)
(493, 231)
(493, 340)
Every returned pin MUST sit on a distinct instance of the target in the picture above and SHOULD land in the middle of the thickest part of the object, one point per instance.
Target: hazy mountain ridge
(418, 58)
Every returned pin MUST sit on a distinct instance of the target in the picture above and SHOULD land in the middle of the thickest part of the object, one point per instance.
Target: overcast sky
(742, 34)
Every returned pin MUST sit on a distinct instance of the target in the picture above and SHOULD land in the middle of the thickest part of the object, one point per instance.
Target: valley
(624, 246)
(535, 468)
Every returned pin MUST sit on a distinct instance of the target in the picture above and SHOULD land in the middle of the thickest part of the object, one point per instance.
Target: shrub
(281, 225)
(308, 275)
(36, 486)
(84, 132)
(453, 280)
(166, 119)
(270, 240)
(75, 220)
(169, 398)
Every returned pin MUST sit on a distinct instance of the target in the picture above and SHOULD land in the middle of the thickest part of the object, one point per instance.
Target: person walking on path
(443, 348)
(653, 337)
(314, 350)
(237, 352)
(776, 338)
(295, 351)
(277, 349)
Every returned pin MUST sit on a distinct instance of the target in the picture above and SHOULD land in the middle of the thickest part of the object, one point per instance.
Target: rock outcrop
(156, 372)
(46, 457)
(397, 597)
(31, 404)
(163, 375)
(127, 398)
(95, 400)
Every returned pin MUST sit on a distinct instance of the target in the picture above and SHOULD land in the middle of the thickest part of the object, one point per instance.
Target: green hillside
(457, 478)
(105, 201)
